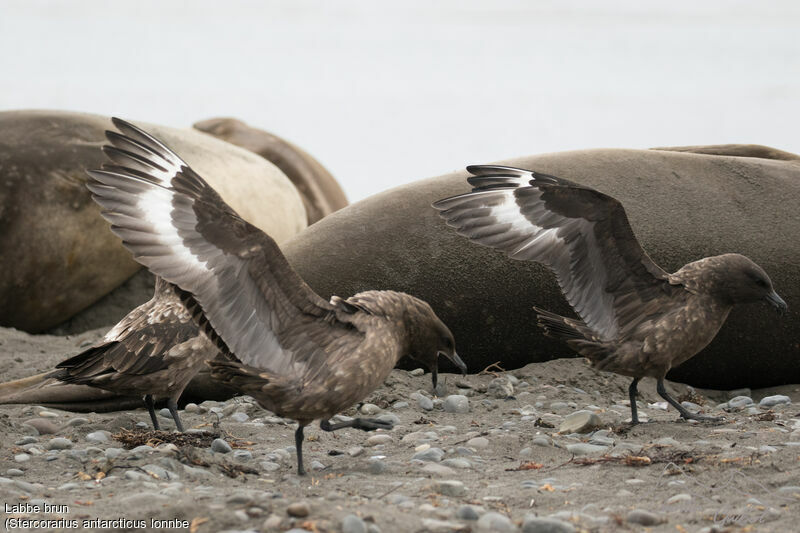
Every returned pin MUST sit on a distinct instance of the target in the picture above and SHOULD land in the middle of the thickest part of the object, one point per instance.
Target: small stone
(353, 524)
(457, 462)
(298, 509)
(466, 512)
(478, 442)
(431, 454)
(269, 466)
(22, 457)
(416, 372)
(272, 522)
(376, 440)
(452, 488)
(113, 453)
(542, 440)
(456, 403)
(26, 440)
(535, 524)
(164, 413)
(425, 403)
(400, 405)
(98, 437)
(240, 417)
(58, 443)
(583, 448)
(740, 402)
(770, 401)
(500, 388)
(643, 518)
(48, 414)
(682, 497)
(43, 426)
(580, 422)
(495, 522)
(370, 409)
(192, 408)
(390, 418)
(14, 472)
(243, 455)
(220, 446)
(77, 421)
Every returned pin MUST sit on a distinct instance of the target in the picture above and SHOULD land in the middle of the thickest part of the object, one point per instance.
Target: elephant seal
(682, 206)
(321, 193)
(57, 255)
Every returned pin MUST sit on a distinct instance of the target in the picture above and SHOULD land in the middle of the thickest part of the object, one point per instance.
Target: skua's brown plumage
(297, 354)
(153, 352)
(635, 319)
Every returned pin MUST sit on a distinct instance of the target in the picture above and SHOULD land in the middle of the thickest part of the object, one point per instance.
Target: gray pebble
(298, 509)
(372, 528)
(243, 455)
(316, 466)
(220, 446)
(542, 440)
(113, 453)
(164, 413)
(535, 524)
(77, 421)
(456, 403)
(643, 518)
(69, 486)
(478, 442)
(580, 422)
(192, 408)
(389, 417)
(453, 488)
(269, 466)
(142, 450)
(583, 448)
(416, 372)
(239, 416)
(22, 457)
(26, 440)
(495, 522)
(400, 405)
(771, 401)
(431, 454)
(14, 472)
(425, 403)
(353, 524)
(739, 402)
(58, 443)
(466, 512)
(437, 469)
(370, 409)
(98, 436)
(355, 451)
(678, 498)
(457, 462)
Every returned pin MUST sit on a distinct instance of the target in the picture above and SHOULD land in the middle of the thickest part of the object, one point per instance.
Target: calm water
(385, 93)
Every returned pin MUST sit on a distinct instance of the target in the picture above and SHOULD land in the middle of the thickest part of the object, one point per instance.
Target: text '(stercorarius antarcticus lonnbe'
(635, 319)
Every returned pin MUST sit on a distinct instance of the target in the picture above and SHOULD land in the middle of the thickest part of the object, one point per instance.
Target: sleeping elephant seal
(682, 206)
(57, 255)
(321, 193)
